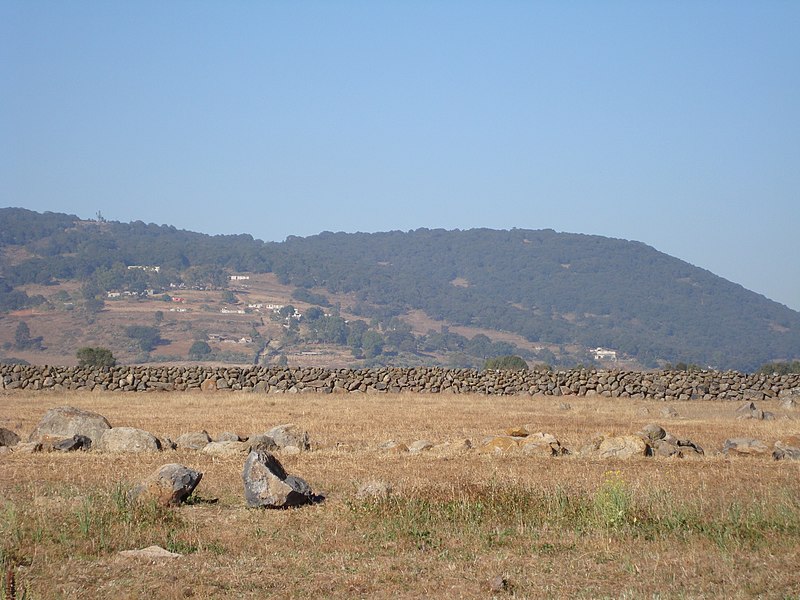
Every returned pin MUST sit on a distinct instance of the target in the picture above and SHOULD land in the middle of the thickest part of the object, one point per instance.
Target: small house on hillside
(605, 354)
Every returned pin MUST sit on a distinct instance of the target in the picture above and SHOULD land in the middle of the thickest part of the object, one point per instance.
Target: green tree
(506, 363)
(372, 344)
(200, 350)
(147, 337)
(95, 357)
(22, 336)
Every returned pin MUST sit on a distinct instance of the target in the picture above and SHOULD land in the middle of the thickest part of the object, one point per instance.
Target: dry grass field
(567, 527)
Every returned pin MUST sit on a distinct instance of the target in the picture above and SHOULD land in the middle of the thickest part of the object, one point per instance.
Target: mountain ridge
(557, 289)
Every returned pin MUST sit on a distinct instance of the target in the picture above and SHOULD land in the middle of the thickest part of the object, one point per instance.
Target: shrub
(510, 363)
(95, 357)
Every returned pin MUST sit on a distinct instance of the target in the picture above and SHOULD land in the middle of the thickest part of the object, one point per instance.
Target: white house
(604, 354)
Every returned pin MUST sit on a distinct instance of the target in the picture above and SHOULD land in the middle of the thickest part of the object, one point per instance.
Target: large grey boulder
(128, 439)
(171, 484)
(267, 485)
(67, 421)
(8, 437)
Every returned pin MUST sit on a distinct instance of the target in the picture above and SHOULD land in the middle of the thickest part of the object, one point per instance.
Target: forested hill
(553, 288)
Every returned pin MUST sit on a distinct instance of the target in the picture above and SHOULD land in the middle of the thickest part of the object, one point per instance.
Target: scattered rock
(289, 435)
(652, 432)
(746, 408)
(267, 485)
(127, 439)
(542, 444)
(28, 447)
(166, 443)
(420, 446)
(195, 440)
(643, 411)
(623, 447)
(453, 447)
(394, 447)
(784, 452)
(499, 444)
(209, 385)
(8, 437)
(228, 436)
(499, 584)
(227, 448)
(261, 441)
(788, 404)
(668, 412)
(170, 485)
(517, 431)
(376, 490)
(67, 421)
(57, 443)
(744, 447)
(564, 406)
(150, 553)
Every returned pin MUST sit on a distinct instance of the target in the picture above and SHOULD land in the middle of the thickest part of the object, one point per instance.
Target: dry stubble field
(567, 527)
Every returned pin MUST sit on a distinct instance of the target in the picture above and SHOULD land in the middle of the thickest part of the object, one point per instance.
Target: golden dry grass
(562, 527)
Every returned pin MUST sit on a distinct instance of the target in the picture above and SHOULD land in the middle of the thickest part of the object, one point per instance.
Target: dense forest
(552, 288)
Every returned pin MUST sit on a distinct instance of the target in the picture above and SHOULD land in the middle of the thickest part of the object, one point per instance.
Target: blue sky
(672, 123)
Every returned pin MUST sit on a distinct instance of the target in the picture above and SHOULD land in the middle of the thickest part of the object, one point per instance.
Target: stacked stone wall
(659, 385)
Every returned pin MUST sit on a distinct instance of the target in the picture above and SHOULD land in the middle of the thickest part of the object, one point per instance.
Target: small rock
(56, 443)
(788, 404)
(517, 431)
(289, 435)
(623, 447)
(228, 436)
(28, 447)
(744, 447)
(668, 412)
(420, 446)
(499, 584)
(542, 444)
(393, 447)
(8, 437)
(150, 553)
(196, 440)
(209, 385)
(782, 452)
(227, 448)
(261, 441)
(127, 439)
(499, 444)
(564, 406)
(376, 490)
(653, 432)
(746, 408)
(170, 485)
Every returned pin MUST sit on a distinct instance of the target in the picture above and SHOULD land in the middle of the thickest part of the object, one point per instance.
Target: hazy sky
(675, 123)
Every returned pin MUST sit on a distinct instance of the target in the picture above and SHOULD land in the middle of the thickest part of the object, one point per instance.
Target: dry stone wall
(660, 385)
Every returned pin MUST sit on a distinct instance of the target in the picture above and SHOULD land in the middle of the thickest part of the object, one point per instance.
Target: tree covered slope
(555, 288)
